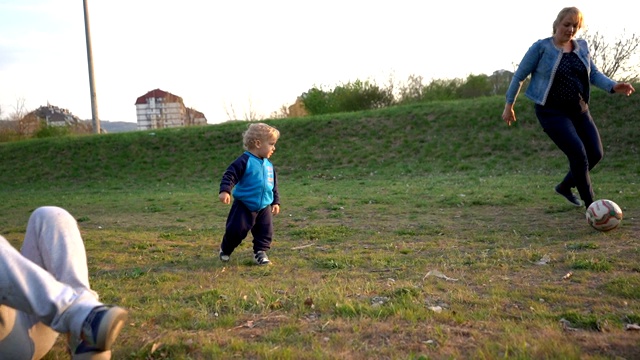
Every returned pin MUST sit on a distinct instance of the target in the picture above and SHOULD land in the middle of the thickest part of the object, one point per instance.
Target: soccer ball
(604, 215)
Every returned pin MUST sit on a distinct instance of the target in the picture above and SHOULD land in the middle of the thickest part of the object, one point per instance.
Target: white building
(159, 109)
(55, 116)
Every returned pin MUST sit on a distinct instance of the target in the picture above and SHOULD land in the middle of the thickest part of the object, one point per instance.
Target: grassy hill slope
(439, 137)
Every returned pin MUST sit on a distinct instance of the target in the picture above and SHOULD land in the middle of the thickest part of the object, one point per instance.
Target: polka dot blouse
(569, 83)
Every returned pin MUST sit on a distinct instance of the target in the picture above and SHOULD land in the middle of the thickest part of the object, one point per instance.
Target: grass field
(411, 232)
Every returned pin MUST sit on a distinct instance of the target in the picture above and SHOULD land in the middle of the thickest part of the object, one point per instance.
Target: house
(196, 117)
(49, 115)
(298, 109)
(55, 116)
(159, 109)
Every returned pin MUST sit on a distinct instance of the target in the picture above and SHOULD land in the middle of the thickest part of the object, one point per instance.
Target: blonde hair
(563, 13)
(258, 131)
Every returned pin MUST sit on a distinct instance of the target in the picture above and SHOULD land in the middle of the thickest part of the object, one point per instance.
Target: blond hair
(258, 131)
(563, 13)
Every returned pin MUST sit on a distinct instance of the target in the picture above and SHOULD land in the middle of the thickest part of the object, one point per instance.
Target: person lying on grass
(44, 291)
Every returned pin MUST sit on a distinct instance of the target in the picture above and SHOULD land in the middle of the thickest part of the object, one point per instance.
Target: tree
(19, 110)
(442, 89)
(618, 59)
(476, 86)
(25, 123)
(500, 80)
(412, 90)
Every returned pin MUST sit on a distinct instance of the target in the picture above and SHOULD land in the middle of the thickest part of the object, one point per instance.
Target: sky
(234, 58)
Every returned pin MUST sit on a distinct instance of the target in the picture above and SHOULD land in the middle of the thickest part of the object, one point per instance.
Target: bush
(361, 96)
(414, 91)
(11, 131)
(8, 135)
(442, 89)
(47, 131)
(353, 96)
(317, 101)
(365, 95)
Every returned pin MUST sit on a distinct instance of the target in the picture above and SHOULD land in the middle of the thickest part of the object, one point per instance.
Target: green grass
(371, 203)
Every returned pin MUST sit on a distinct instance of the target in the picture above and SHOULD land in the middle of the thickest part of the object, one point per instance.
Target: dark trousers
(240, 221)
(577, 136)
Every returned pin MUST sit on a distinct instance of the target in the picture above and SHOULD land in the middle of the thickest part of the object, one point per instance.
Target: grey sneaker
(224, 257)
(100, 329)
(261, 258)
(79, 350)
(567, 194)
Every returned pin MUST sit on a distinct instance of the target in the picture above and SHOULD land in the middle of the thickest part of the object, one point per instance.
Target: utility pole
(92, 87)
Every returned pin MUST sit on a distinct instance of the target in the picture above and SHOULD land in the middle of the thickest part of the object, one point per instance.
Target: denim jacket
(541, 61)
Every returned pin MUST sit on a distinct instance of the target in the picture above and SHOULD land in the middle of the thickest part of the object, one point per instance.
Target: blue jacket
(541, 61)
(253, 181)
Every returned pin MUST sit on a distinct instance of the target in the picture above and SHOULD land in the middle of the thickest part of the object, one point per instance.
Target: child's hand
(224, 197)
(275, 209)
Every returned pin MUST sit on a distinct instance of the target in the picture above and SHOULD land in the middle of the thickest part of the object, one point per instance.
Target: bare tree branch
(19, 110)
(281, 113)
(231, 113)
(618, 59)
(249, 113)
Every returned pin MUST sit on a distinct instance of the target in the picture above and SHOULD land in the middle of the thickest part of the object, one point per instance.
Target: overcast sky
(236, 56)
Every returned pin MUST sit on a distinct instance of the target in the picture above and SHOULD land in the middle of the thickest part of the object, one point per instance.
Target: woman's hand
(508, 115)
(623, 88)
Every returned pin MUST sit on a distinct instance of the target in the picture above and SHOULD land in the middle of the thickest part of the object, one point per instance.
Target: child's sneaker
(261, 258)
(224, 257)
(100, 329)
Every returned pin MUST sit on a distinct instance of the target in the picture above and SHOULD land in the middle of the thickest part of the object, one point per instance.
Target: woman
(562, 72)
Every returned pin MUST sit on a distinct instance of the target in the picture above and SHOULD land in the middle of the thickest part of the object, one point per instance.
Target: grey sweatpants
(44, 288)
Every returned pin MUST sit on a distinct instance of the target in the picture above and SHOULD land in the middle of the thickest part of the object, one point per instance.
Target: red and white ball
(604, 215)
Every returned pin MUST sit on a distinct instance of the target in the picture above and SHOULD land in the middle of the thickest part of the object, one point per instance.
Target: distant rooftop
(158, 94)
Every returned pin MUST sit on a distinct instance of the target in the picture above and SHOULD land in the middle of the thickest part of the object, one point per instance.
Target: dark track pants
(240, 221)
(577, 136)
